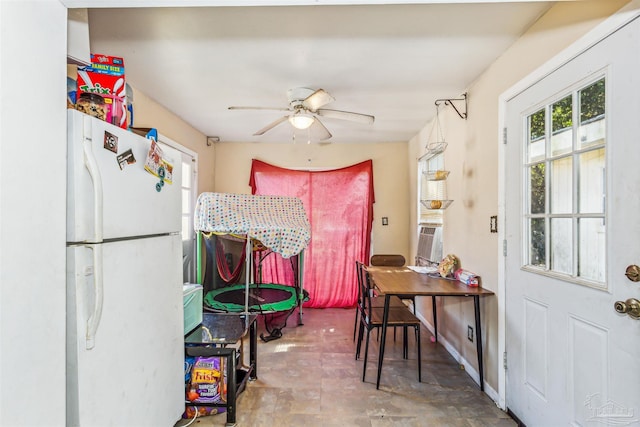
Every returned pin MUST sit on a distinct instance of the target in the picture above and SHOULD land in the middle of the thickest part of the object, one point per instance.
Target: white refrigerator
(124, 279)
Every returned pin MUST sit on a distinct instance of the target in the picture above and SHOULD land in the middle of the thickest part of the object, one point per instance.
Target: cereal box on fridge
(105, 77)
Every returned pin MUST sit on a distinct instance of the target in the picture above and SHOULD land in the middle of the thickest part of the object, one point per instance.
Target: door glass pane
(565, 174)
(186, 201)
(561, 245)
(592, 185)
(186, 228)
(562, 185)
(536, 127)
(537, 185)
(537, 242)
(186, 174)
(562, 126)
(592, 115)
(592, 244)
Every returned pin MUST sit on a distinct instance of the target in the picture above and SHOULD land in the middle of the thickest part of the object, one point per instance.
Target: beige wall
(472, 158)
(390, 177)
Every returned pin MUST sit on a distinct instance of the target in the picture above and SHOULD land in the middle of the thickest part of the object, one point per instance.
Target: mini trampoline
(263, 298)
(268, 224)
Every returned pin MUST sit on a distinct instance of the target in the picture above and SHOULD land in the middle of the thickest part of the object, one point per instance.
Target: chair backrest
(366, 290)
(388, 260)
(359, 268)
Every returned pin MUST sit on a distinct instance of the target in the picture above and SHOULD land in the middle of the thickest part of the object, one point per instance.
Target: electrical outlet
(470, 333)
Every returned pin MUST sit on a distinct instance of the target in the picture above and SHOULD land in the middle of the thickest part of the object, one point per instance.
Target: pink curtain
(339, 204)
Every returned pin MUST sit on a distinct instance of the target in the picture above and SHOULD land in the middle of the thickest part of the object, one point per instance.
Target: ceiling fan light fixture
(301, 121)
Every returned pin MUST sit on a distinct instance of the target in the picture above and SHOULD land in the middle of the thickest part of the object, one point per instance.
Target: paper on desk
(423, 269)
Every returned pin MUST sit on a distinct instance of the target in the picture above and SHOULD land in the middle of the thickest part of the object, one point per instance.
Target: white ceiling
(391, 61)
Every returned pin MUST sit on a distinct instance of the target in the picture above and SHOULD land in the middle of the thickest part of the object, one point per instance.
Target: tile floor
(310, 378)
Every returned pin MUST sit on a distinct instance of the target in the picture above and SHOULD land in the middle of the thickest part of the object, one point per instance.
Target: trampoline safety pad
(263, 298)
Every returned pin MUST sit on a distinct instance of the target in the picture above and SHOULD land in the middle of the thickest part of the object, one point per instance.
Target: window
(430, 189)
(564, 217)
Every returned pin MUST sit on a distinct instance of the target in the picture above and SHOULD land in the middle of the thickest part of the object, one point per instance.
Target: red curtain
(339, 204)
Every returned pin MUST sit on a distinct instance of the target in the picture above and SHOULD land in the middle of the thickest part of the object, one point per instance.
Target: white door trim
(194, 187)
(608, 26)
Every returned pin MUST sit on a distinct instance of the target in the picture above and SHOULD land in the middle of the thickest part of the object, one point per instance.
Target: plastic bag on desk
(448, 265)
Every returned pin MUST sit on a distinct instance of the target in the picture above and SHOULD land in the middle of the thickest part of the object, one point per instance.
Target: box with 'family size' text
(105, 77)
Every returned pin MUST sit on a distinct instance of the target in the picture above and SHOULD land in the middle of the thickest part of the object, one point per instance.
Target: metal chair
(372, 317)
(375, 301)
(392, 260)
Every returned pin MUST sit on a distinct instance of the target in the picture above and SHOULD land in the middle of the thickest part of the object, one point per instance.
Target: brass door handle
(630, 307)
(633, 273)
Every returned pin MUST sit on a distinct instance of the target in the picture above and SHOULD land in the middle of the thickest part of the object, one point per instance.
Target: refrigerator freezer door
(133, 375)
(101, 177)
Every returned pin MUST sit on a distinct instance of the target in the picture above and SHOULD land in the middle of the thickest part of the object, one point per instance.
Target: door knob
(633, 273)
(630, 307)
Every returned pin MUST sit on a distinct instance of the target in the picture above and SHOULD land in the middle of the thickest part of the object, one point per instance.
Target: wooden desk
(404, 282)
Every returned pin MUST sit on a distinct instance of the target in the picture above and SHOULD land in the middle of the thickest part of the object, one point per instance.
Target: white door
(572, 227)
(189, 195)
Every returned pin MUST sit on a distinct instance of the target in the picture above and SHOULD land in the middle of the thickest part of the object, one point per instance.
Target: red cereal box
(105, 77)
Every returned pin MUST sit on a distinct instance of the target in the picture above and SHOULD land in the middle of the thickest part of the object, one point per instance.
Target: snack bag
(467, 277)
(448, 265)
(202, 411)
(207, 383)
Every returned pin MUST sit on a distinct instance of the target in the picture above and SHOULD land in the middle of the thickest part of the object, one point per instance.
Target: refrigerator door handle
(92, 166)
(98, 295)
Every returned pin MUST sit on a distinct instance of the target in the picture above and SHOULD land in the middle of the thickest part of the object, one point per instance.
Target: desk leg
(231, 388)
(435, 318)
(476, 306)
(383, 337)
(253, 350)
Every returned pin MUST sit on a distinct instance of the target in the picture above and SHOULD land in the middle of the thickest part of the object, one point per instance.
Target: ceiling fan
(305, 105)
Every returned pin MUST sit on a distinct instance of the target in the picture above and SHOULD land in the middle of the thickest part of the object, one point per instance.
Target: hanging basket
(435, 148)
(436, 175)
(435, 204)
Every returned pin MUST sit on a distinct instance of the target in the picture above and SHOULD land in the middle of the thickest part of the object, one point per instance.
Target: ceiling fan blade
(317, 99)
(319, 130)
(258, 108)
(346, 115)
(271, 126)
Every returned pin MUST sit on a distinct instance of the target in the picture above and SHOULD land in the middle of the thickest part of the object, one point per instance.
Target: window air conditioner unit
(429, 246)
